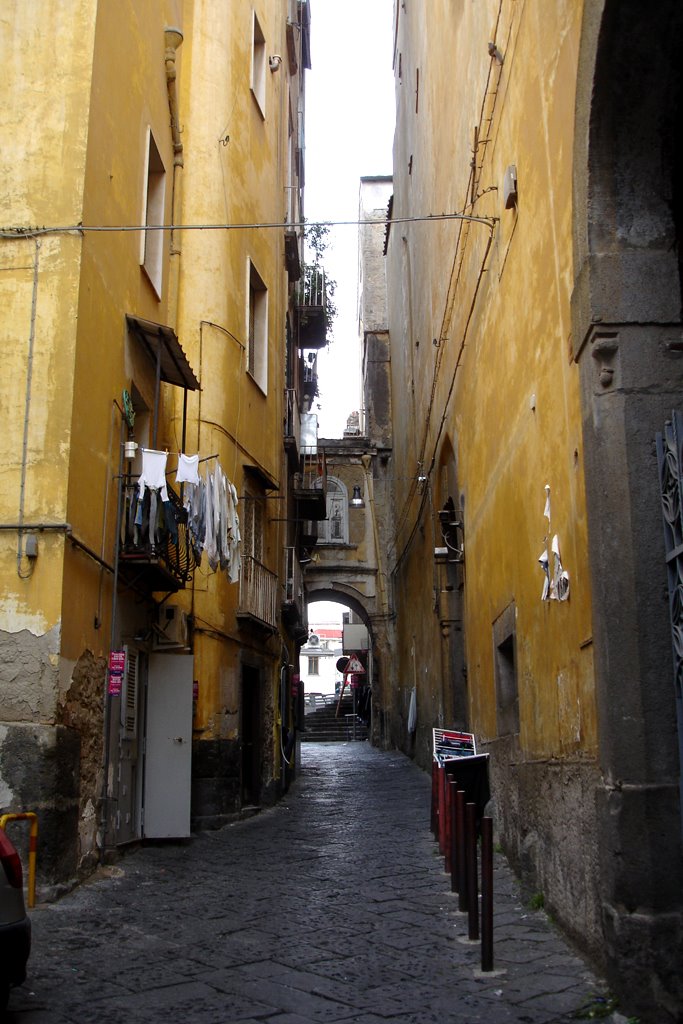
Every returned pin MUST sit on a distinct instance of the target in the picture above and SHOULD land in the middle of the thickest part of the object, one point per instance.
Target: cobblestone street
(332, 906)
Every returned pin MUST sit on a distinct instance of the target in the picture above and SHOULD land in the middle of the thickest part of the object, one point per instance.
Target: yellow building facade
(513, 437)
(164, 356)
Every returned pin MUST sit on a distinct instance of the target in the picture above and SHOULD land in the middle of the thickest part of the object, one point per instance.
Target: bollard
(487, 894)
(434, 821)
(32, 849)
(471, 856)
(442, 807)
(448, 792)
(461, 856)
(453, 786)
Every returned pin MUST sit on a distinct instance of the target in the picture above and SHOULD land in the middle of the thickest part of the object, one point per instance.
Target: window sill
(262, 389)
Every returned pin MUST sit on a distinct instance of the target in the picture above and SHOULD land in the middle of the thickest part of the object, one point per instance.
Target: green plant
(316, 239)
(597, 1008)
(537, 901)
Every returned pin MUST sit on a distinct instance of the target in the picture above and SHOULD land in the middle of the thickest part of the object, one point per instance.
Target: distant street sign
(342, 663)
(354, 666)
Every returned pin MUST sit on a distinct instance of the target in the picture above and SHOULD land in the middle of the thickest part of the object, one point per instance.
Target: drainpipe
(27, 408)
(173, 38)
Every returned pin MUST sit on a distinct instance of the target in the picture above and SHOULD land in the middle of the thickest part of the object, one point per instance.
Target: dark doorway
(251, 735)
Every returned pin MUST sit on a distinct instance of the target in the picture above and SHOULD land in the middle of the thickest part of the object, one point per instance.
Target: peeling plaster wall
(28, 675)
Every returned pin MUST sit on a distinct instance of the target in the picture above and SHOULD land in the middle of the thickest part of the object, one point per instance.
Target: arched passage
(349, 596)
(626, 321)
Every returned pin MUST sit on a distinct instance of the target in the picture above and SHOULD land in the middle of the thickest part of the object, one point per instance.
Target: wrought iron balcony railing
(311, 304)
(258, 598)
(155, 546)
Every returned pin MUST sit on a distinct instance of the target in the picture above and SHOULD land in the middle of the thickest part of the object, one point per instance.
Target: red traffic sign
(354, 666)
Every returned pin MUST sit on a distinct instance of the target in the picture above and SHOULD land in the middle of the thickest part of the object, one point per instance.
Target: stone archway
(628, 342)
(346, 594)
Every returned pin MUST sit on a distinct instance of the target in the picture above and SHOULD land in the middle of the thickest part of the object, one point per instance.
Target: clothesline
(204, 458)
(210, 504)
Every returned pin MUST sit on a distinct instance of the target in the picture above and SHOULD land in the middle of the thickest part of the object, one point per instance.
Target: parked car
(15, 926)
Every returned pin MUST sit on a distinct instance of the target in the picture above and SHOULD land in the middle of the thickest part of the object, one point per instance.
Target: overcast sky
(349, 134)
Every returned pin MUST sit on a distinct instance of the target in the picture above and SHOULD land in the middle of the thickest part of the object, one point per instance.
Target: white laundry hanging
(188, 469)
(153, 473)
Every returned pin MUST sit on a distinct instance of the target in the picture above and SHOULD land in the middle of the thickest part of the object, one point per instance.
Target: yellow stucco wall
(493, 327)
(46, 51)
(235, 173)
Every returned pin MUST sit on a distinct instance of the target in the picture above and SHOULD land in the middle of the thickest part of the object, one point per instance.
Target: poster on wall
(451, 743)
(117, 666)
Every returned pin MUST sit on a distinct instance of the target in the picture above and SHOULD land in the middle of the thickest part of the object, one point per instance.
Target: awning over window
(161, 343)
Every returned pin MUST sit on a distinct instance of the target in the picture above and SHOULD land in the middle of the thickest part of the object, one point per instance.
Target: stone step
(324, 725)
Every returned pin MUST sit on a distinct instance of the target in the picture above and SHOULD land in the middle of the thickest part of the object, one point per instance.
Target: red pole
(434, 823)
(453, 788)
(442, 808)
(447, 824)
(460, 840)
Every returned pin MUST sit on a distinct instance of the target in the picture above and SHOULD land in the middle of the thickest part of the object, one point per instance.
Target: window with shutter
(129, 697)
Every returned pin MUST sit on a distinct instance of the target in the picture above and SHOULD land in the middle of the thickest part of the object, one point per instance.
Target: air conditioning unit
(171, 631)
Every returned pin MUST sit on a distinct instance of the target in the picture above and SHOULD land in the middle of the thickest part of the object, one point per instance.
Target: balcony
(258, 595)
(293, 607)
(311, 308)
(311, 390)
(292, 429)
(155, 552)
(310, 487)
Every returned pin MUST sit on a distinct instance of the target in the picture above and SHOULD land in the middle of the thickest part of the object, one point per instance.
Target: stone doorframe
(628, 342)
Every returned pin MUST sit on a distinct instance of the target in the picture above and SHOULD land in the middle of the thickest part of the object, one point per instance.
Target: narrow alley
(331, 906)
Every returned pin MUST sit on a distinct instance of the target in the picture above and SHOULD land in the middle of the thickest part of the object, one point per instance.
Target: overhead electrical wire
(34, 232)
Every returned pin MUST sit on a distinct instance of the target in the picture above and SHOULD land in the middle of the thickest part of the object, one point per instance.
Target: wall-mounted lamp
(173, 37)
(274, 62)
(510, 187)
(356, 498)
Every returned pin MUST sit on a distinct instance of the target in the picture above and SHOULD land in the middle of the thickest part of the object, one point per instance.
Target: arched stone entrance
(628, 341)
(380, 645)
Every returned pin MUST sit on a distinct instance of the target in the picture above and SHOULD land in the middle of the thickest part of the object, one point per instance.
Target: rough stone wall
(81, 710)
(545, 816)
(39, 771)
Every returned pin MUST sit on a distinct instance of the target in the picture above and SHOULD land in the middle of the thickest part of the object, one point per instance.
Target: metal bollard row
(454, 826)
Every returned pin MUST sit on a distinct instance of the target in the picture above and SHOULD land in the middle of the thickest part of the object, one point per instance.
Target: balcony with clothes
(311, 308)
(310, 482)
(156, 550)
(310, 382)
(258, 595)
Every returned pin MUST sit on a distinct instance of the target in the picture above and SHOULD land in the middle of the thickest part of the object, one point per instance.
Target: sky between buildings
(349, 134)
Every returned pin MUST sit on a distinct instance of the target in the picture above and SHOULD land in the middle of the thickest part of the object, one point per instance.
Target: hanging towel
(188, 469)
